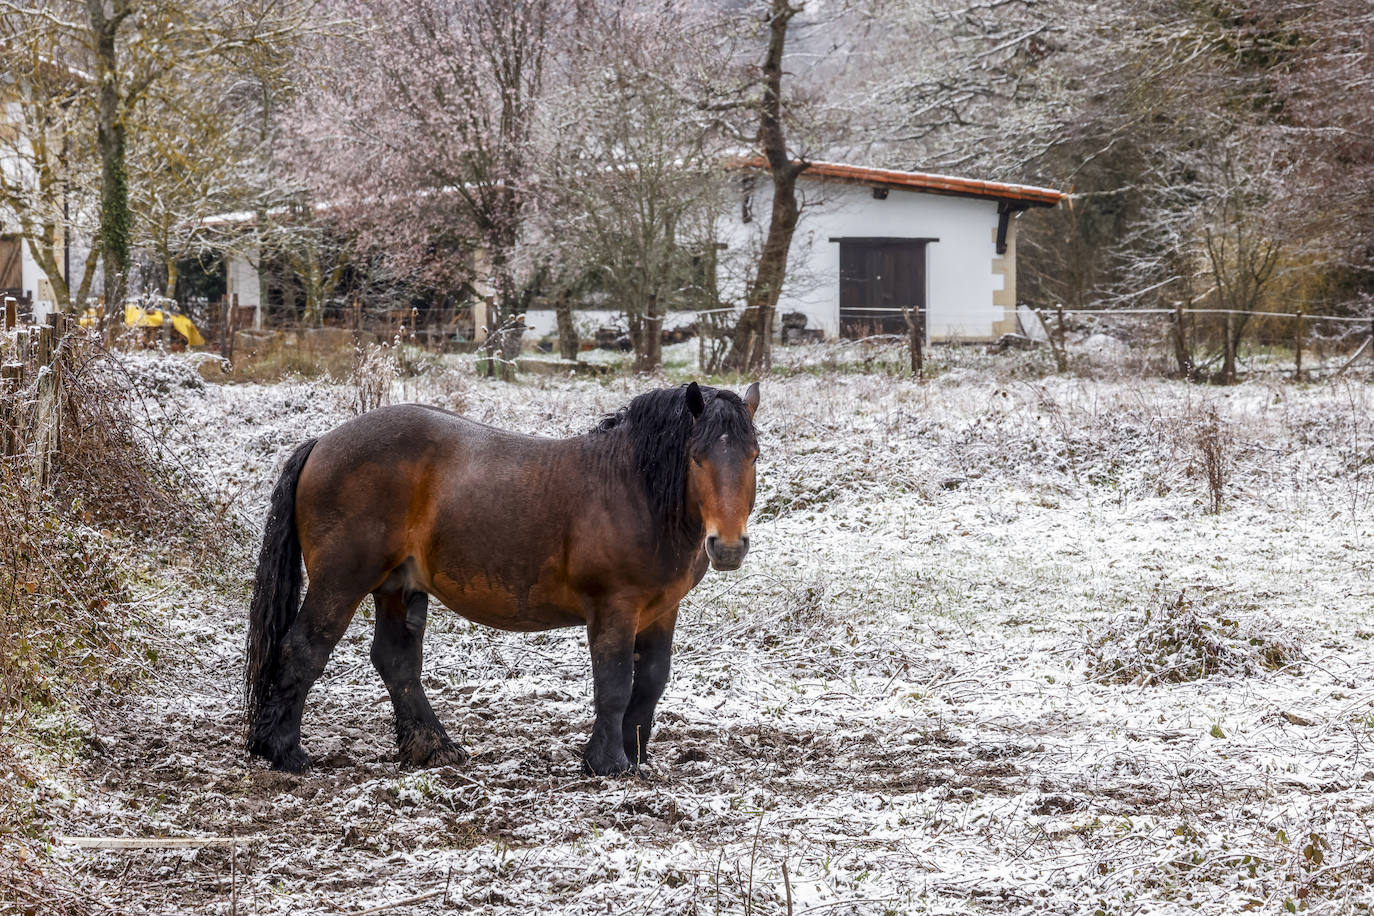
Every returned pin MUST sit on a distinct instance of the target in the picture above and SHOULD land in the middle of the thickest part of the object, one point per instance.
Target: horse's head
(720, 474)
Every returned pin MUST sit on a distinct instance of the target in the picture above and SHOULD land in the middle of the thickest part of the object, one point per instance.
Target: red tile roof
(924, 181)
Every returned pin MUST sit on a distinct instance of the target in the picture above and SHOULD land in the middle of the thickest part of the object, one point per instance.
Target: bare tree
(129, 54)
(628, 174)
(45, 186)
(424, 140)
(1240, 255)
(752, 338)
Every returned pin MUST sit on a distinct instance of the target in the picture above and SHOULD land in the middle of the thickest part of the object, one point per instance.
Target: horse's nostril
(744, 542)
(711, 541)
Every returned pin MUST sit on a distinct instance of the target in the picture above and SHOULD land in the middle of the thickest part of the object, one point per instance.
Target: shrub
(1178, 640)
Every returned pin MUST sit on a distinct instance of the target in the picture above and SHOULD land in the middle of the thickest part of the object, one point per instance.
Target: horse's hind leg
(397, 654)
(305, 649)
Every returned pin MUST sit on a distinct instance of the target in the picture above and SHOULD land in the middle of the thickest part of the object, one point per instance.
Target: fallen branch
(122, 842)
(1351, 360)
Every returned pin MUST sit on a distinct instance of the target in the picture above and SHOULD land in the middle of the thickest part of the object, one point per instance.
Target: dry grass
(1214, 450)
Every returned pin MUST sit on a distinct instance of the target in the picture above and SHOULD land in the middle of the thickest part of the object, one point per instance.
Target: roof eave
(1022, 196)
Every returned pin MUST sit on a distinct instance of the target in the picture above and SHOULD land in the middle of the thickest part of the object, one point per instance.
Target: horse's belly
(506, 608)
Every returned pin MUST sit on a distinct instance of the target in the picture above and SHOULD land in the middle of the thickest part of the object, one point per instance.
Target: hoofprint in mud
(990, 653)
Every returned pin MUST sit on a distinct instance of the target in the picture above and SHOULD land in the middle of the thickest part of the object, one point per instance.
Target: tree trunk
(114, 209)
(567, 331)
(115, 229)
(1237, 335)
(500, 309)
(752, 340)
(172, 274)
(1055, 335)
(1234, 331)
(649, 346)
(313, 279)
(915, 326)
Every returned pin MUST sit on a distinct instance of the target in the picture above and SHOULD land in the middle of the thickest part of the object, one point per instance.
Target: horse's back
(455, 500)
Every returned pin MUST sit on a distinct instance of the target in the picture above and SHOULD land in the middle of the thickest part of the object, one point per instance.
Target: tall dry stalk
(373, 374)
(1212, 446)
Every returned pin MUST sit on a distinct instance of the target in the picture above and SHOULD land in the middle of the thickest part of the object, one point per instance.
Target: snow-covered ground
(990, 653)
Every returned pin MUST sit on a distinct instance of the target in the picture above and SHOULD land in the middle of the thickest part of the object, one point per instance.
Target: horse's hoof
(450, 755)
(423, 750)
(603, 763)
(295, 760)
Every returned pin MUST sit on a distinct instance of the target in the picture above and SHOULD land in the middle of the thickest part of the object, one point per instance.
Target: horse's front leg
(611, 638)
(653, 658)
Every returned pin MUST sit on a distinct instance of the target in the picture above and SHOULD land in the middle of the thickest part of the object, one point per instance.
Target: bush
(84, 489)
(1178, 640)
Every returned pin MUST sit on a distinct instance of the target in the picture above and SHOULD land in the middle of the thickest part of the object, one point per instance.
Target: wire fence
(1108, 312)
(1305, 316)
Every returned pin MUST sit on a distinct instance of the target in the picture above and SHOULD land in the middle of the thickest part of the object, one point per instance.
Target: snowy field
(991, 653)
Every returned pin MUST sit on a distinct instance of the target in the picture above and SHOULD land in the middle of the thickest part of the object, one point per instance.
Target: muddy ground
(991, 653)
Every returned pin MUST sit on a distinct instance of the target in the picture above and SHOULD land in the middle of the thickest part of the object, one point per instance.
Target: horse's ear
(695, 403)
(751, 398)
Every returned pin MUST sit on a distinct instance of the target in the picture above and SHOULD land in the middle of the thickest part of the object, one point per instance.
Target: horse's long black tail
(277, 590)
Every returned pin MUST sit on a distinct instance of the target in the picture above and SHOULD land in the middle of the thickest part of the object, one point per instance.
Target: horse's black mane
(658, 429)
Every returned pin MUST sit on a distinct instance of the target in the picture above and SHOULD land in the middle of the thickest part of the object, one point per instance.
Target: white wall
(36, 281)
(242, 281)
(959, 267)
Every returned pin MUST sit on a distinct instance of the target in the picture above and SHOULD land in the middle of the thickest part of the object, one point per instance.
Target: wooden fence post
(45, 346)
(11, 381)
(11, 312)
(1297, 344)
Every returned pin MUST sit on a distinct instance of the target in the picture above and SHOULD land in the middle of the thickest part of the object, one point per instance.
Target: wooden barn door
(878, 278)
(11, 267)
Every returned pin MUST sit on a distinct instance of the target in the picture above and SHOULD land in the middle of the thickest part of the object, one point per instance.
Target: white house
(873, 242)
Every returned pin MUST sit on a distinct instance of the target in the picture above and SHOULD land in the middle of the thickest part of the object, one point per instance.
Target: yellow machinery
(150, 316)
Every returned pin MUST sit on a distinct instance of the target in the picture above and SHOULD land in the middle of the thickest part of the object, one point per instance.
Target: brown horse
(608, 530)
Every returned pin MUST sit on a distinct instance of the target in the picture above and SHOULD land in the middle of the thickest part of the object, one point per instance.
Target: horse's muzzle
(725, 555)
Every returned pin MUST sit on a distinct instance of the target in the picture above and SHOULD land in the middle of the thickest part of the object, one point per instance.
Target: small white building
(872, 242)
(871, 246)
